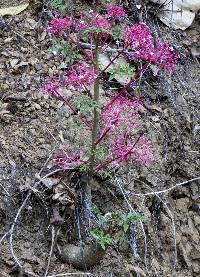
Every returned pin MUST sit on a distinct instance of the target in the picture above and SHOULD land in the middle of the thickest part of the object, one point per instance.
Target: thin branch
(172, 219)
(5, 190)
(95, 126)
(79, 47)
(11, 231)
(4, 236)
(51, 250)
(141, 223)
(136, 75)
(166, 190)
(70, 274)
(123, 156)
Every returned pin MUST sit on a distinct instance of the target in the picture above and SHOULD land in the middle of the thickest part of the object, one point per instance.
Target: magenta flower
(100, 22)
(59, 25)
(164, 56)
(80, 76)
(161, 55)
(81, 25)
(114, 12)
(127, 148)
(121, 124)
(138, 37)
(77, 78)
(64, 160)
(123, 111)
(52, 85)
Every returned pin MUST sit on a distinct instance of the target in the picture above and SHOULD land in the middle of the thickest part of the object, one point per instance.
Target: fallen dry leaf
(13, 10)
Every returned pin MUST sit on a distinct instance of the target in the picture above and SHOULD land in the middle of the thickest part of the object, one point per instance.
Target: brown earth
(33, 126)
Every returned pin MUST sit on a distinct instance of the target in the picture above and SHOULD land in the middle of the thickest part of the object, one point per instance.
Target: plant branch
(111, 62)
(73, 109)
(106, 163)
(136, 75)
(105, 133)
(78, 46)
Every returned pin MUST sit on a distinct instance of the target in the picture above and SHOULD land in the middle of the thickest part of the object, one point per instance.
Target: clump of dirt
(33, 127)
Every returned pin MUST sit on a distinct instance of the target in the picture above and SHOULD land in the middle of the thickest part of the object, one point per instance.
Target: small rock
(196, 267)
(38, 66)
(195, 254)
(37, 106)
(182, 204)
(197, 220)
(14, 62)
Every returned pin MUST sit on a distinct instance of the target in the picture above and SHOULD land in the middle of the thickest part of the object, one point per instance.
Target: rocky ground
(33, 126)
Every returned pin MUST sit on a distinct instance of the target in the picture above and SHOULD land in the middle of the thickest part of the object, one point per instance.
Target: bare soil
(33, 126)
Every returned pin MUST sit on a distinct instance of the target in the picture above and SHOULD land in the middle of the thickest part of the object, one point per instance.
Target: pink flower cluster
(139, 38)
(115, 12)
(123, 111)
(64, 160)
(52, 85)
(59, 25)
(164, 56)
(125, 149)
(78, 77)
(100, 22)
(121, 119)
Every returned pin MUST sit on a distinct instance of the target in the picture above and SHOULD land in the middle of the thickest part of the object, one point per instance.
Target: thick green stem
(96, 112)
(87, 184)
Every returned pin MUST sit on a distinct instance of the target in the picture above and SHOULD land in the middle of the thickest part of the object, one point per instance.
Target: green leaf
(58, 5)
(126, 226)
(103, 239)
(83, 167)
(67, 50)
(115, 32)
(120, 69)
(95, 234)
(85, 104)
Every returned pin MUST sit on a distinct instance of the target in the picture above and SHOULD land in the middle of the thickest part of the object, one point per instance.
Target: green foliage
(66, 49)
(115, 32)
(130, 218)
(94, 30)
(103, 239)
(85, 104)
(107, 174)
(102, 219)
(117, 224)
(83, 167)
(100, 153)
(58, 5)
(121, 69)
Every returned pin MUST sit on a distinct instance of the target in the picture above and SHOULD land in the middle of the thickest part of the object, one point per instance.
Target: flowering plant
(116, 124)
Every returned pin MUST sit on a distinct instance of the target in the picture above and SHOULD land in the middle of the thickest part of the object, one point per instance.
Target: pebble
(38, 66)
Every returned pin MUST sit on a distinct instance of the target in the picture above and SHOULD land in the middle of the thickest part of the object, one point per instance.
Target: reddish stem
(106, 163)
(79, 47)
(74, 110)
(136, 75)
(104, 133)
(111, 62)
